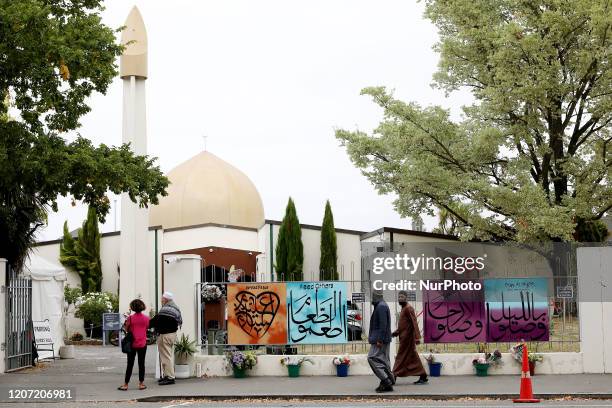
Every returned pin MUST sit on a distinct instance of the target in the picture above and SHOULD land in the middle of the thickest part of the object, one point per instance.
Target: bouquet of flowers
(517, 354)
(211, 293)
(342, 360)
(493, 359)
(295, 360)
(431, 358)
(242, 360)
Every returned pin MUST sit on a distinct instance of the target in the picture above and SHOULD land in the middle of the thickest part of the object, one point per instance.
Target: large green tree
(289, 247)
(328, 264)
(53, 55)
(83, 253)
(531, 158)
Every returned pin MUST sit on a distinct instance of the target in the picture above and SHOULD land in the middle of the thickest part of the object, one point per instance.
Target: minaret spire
(135, 56)
(135, 270)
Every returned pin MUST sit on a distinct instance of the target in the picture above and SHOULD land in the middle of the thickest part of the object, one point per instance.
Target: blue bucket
(342, 370)
(435, 369)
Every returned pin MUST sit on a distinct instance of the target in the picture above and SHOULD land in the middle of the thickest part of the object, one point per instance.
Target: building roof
(408, 232)
(208, 190)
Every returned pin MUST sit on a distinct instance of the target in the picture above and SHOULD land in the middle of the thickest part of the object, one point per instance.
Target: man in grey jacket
(166, 323)
(379, 338)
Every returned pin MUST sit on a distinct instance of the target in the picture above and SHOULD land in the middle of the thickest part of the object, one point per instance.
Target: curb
(340, 397)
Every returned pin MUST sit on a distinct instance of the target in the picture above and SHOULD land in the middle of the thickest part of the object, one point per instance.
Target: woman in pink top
(137, 324)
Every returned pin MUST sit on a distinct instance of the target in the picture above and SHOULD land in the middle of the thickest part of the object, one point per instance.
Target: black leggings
(142, 352)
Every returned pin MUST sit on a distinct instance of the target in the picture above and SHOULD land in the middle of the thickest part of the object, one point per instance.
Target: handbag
(126, 342)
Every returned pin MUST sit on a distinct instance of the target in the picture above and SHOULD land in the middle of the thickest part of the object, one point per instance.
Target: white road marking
(178, 405)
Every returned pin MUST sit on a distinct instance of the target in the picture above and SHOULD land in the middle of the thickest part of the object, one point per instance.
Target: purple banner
(449, 317)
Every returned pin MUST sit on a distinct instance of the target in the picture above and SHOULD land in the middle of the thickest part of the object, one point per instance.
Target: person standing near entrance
(136, 324)
(166, 322)
(379, 338)
(407, 361)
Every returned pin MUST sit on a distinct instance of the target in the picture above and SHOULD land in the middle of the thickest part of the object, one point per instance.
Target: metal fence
(563, 313)
(18, 321)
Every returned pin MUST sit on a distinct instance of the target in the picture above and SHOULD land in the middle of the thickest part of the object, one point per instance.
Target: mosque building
(214, 210)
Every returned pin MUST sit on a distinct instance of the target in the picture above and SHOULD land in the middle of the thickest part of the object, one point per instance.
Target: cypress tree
(83, 254)
(328, 265)
(289, 248)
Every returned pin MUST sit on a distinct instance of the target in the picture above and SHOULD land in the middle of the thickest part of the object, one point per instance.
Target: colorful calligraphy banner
(453, 316)
(256, 313)
(517, 309)
(316, 312)
(510, 310)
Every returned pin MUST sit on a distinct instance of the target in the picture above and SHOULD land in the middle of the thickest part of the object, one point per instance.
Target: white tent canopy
(47, 297)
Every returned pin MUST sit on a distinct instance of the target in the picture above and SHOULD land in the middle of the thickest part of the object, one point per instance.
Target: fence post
(594, 311)
(3, 273)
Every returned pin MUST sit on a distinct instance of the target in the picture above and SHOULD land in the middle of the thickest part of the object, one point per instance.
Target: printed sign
(565, 292)
(317, 312)
(256, 313)
(111, 321)
(511, 310)
(517, 309)
(453, 317)
(358, 297)
(42, 332)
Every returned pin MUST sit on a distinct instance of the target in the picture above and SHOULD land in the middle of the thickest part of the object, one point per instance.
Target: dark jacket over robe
(380, 324)
(407, 361)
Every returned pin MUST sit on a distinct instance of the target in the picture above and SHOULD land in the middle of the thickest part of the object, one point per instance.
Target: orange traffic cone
(526, 390)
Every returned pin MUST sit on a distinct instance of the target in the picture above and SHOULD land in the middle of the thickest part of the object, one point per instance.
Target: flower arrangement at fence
(342, 360)
(242, 360)
(517, 354)
(211, 293)
(295, 361)
(492, 359)
(90, 306)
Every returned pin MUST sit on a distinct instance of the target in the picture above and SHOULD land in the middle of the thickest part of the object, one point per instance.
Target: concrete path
(97, 372)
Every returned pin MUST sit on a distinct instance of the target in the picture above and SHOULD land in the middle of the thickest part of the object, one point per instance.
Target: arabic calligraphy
(317, 312)
(256, 313)
(512, 310)
(517, 309)
(454, 316)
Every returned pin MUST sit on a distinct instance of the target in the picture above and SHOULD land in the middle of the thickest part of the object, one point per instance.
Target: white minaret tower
(135, 277)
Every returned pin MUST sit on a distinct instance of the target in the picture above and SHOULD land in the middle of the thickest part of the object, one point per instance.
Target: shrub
(76, 337)
(92, 305)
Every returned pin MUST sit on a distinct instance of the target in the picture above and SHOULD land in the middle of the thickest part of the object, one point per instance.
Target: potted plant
(435, 367)
(241, 361)
(483, 363)
(184, 348)
(342, 364)
(532, 358)
(294, 363)
(71, 296)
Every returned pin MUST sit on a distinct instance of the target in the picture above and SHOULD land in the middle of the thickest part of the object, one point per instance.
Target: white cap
(168, 295)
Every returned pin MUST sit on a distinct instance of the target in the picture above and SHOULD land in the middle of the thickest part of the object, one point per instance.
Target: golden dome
(206, 189)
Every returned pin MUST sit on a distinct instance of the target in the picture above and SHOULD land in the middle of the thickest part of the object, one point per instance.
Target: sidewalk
(97, 372)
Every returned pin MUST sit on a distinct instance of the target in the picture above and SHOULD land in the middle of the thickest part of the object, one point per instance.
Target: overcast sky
(268, 82)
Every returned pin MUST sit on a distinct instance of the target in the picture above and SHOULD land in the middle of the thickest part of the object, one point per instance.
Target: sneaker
(162, 379)
(421, 381)
(167, 381)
